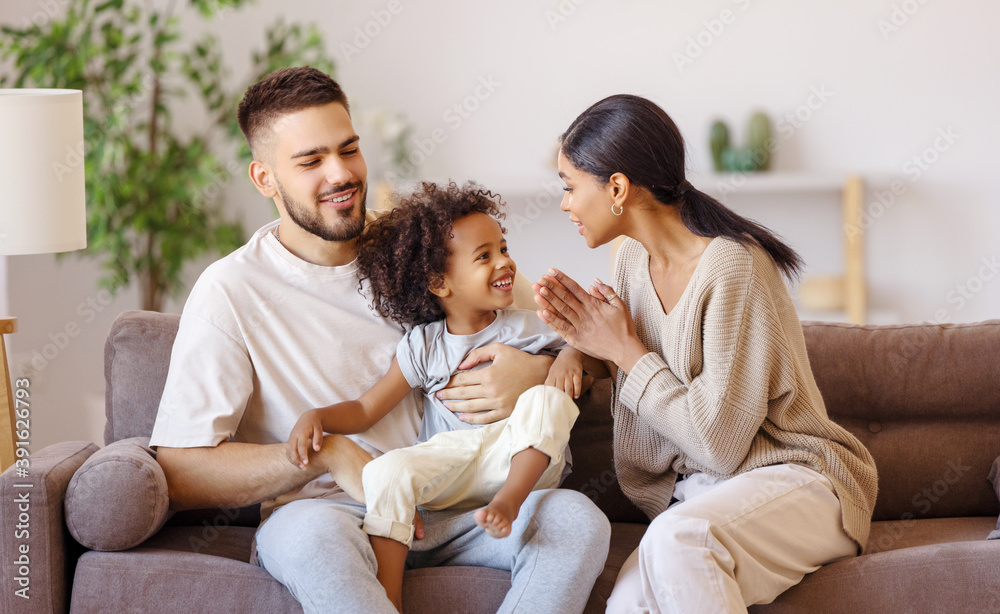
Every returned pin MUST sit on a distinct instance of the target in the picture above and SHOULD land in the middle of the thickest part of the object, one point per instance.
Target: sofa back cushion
(136, 358)
(593, 465)
(925, 400)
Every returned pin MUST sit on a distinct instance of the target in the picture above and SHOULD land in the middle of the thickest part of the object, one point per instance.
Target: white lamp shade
(42, 193)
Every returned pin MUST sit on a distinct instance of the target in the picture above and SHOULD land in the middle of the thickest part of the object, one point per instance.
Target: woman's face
(588, 203)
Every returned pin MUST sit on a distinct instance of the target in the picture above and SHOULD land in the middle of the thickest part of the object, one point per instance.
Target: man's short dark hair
(285, 90)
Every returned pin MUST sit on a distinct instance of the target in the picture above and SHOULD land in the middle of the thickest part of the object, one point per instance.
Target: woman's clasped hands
(595, 321)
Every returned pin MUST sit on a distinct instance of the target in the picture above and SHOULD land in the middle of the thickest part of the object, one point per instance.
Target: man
(279, 327)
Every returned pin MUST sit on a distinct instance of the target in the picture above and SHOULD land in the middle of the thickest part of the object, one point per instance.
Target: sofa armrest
(37, 553)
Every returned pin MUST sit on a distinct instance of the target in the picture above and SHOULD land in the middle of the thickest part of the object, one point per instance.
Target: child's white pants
(465, 468)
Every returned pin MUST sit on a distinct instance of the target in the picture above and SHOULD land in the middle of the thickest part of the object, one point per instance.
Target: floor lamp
(42, 210)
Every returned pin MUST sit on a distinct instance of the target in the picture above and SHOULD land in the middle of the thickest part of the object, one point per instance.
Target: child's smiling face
(480, 275)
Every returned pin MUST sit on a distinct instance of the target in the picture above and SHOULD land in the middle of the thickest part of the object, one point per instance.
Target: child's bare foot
(497, 517)
(526, 467)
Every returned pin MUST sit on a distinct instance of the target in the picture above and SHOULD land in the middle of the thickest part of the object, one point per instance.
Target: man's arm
(238, 474)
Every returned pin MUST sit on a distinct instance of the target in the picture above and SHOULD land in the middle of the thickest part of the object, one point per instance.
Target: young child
(438, 263)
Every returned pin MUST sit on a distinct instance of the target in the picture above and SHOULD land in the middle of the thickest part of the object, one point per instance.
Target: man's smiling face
(319, 172)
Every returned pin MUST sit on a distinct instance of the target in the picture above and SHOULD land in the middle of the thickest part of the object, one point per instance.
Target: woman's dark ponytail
(707, 217)
(631, 135)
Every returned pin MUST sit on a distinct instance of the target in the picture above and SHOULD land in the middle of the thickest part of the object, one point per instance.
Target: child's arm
(348, 417)
(594, 366)
(567, 371)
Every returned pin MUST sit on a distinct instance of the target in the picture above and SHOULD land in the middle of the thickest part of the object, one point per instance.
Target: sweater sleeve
(735, 337)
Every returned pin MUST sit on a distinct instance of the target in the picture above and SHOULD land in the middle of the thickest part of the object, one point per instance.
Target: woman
(721, 436)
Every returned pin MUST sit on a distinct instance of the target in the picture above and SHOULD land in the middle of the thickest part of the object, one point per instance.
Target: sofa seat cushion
(994, 478)
(944, 577)
(182, 568)
(433, 590)
(904, 552)
(625, 537)
(161, 576)
(898, 534)
(943, 564)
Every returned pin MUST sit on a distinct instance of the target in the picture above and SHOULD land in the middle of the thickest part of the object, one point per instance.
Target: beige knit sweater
(726, 386)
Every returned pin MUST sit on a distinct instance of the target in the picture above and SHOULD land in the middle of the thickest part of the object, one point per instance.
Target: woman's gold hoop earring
(621, 209)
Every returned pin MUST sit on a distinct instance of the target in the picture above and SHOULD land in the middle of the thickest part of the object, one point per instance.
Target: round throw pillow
(118, 498)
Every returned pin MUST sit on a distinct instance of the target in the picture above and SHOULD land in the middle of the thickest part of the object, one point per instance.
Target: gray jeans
(556, 550)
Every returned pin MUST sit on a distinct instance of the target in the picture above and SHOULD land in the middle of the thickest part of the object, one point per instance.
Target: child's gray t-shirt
(429, 355)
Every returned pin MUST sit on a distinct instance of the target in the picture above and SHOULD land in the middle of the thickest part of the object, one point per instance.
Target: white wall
(887, 96)
(4, 309)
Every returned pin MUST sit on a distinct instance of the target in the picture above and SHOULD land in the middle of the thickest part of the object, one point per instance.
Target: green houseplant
(153, 188)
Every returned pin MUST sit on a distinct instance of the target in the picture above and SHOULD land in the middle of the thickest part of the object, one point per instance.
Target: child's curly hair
(405, 252)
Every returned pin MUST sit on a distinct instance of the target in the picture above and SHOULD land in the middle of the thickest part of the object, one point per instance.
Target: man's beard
(311, 220)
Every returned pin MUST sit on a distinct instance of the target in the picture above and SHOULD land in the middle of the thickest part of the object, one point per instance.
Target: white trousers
(734, 543)
(466, 468)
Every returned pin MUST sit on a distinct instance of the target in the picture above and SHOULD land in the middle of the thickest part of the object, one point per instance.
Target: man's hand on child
(483, 396)
(307, 432)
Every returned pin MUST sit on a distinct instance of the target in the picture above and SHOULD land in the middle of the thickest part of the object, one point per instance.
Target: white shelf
(848, 187)
(768, 182)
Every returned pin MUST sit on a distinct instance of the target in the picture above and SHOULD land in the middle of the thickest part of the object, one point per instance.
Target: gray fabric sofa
(925, 399)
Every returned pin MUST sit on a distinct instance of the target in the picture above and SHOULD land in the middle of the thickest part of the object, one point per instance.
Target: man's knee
(315, 529)
(318, 551)
(571, 511)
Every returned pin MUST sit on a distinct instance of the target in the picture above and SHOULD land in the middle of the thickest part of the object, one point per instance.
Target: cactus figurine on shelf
(739, 160)
(755, 156)
(759, 139)
(719, 142)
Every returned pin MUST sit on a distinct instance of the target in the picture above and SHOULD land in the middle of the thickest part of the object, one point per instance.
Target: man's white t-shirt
(266, 336)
